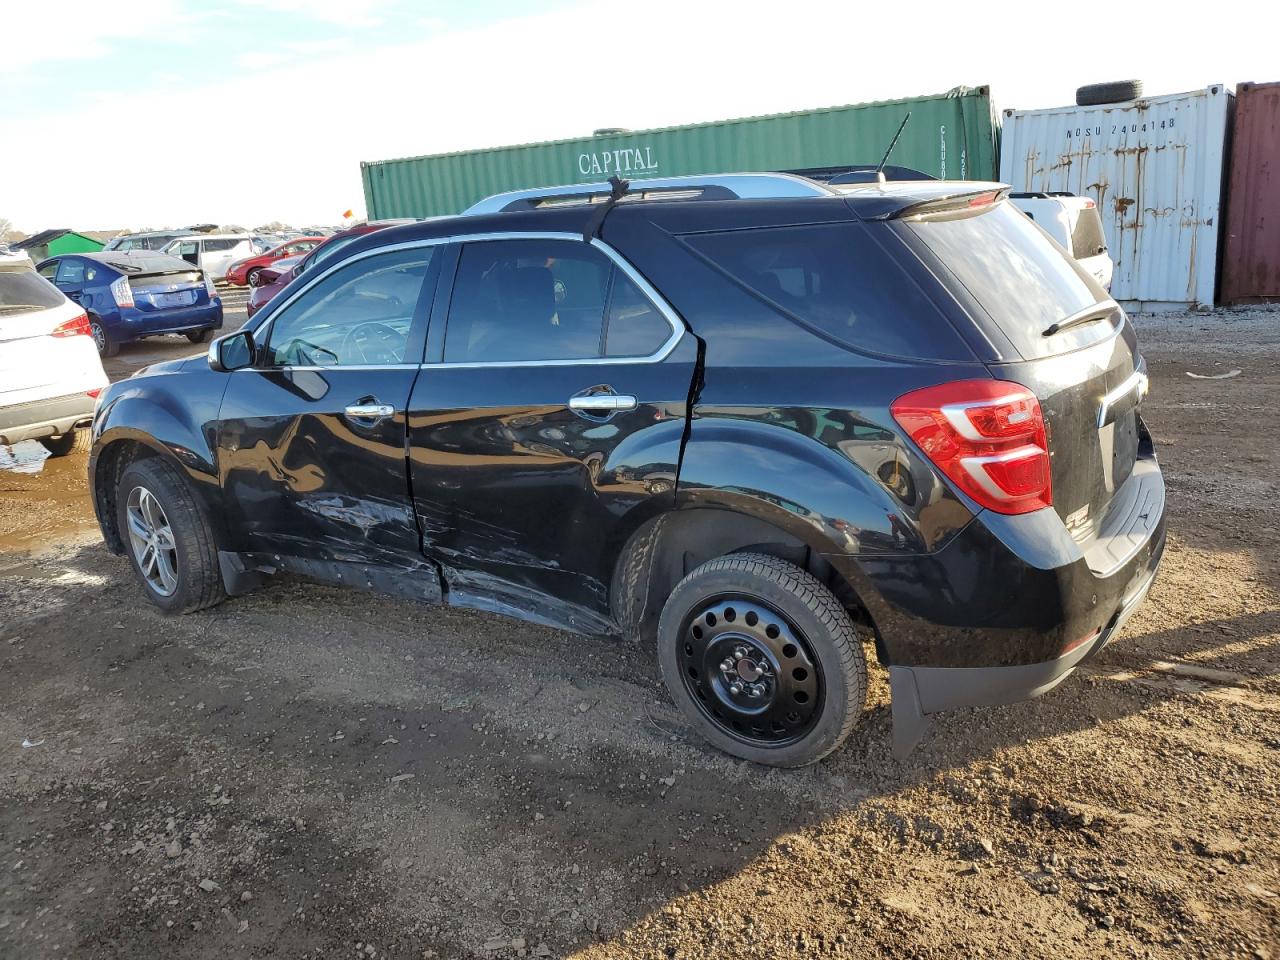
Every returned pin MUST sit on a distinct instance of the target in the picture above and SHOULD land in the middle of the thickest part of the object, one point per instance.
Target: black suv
(754, 419)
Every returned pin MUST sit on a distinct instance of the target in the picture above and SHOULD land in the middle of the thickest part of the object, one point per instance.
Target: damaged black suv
(767, 424)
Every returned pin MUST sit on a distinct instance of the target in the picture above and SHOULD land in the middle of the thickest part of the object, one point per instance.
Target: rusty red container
(1251, 253)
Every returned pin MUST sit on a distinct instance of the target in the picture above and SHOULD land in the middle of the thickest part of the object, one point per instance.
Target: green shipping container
(950, 136)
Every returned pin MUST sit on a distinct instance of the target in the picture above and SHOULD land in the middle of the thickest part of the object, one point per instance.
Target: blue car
(131, 295)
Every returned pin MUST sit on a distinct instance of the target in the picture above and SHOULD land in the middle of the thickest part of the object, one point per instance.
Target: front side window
(531, 300)
(357, 316)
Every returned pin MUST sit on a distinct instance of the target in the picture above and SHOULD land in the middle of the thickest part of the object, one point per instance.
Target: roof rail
(716, 186)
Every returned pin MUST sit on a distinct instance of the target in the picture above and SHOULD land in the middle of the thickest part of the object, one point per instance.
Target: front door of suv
(547, 425)
(312, 438)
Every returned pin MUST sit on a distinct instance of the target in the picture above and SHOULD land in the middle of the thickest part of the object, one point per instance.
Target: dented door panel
(525, 502)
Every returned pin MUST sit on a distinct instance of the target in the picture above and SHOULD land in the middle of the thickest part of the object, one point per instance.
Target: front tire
(255, 277)
(168, 538)
(78, 441)
(762, 659)
(106, 344)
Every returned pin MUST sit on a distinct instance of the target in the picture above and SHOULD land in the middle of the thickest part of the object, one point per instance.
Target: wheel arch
(665, 548)
(116, 448)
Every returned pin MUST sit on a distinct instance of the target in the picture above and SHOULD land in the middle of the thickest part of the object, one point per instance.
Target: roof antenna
(617, 188)
(880, 177)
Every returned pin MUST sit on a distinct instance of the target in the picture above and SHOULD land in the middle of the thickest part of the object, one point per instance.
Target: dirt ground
(306, 772)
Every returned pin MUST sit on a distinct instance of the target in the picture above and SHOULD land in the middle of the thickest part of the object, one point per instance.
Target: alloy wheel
(750, 671)
(151, 539)
(99, 336)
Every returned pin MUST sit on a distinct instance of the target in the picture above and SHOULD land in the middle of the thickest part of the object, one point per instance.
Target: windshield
(22, 291)
(1017, 275)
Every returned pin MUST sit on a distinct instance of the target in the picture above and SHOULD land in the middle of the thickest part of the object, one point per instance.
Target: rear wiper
(1099, 311)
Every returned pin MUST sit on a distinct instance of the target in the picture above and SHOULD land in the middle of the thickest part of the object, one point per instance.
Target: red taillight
(987, 436)
(77, 326)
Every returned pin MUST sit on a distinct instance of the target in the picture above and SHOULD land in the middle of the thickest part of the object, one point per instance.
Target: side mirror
(235, 351)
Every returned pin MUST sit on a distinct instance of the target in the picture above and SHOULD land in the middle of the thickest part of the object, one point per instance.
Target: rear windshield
(144, 264)
(838, 281)
(1087, 239)
(1021, 279)
(22, 291)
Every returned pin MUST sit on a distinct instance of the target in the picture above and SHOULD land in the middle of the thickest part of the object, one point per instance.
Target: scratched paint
(1154, 167)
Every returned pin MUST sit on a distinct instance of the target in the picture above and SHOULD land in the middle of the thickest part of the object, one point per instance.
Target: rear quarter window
(1087, 239)
(840, 282)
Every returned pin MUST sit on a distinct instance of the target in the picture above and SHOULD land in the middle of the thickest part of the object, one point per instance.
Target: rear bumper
(944, 688)
(134, 324)
(45, 418)
(1012, 604)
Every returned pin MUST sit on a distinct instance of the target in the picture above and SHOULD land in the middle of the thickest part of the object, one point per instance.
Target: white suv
(214, 252)
(1075, 223)
(50, 374)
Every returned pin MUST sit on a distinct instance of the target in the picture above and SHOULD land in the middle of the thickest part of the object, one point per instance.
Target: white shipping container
(1154, 166)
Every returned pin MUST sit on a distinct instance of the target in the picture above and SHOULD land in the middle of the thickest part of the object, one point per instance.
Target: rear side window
(528, 300)
(224, 244)
(22, 291)
(1020, 278)
(1087, 239)
(840, 282)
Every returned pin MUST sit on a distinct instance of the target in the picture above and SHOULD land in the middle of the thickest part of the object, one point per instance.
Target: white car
(215, 252)
(50, 374)
(1075, 223)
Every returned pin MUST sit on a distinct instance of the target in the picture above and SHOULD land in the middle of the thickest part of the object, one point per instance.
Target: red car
(271, 281)
(249, 270)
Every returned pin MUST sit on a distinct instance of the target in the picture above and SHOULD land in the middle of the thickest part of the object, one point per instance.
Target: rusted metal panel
(1251, 254)
(1155, 168)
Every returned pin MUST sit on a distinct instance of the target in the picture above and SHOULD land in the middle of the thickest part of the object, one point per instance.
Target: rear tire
(1118, 91)
(168, 538)
(762, 659)
(201, 336)
(77, 441)
(106, 344)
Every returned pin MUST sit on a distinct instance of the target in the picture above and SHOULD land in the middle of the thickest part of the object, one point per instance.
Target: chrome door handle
(603, 403)
(370, 411)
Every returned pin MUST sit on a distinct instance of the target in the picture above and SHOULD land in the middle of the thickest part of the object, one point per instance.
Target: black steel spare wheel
(750, 671)
(761, 657)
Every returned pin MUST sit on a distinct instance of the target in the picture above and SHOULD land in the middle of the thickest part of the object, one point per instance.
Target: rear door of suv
(546, 424)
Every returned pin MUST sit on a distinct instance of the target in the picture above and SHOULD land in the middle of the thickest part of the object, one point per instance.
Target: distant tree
(6, 225)
(275, 226)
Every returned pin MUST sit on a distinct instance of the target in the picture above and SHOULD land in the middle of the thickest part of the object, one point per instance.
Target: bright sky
(155, 113)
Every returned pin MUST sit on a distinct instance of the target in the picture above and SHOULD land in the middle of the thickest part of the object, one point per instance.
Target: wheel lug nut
(735, 688)
(757, 690)
(739, 653)
(726, 664)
